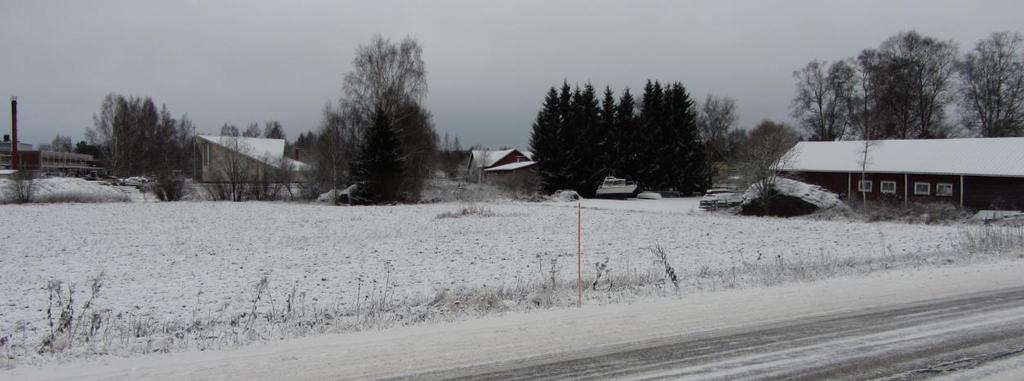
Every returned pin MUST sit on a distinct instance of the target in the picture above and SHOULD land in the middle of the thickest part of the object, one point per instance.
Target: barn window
(864, 186)
(944, 189)
(888, 187)
(922, 189)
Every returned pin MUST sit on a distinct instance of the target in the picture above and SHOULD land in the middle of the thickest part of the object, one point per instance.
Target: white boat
(613, 187)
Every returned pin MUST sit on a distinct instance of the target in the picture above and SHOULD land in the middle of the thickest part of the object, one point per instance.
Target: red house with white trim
(979, 173)
(484, 164)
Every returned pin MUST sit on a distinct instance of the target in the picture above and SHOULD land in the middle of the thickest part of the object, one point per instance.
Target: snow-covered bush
(565, 196)
(930, 213)
(787, 198)
(169, 188)
(19, 189)
(992, 238)
(336, 196)
(468, 211)
(446, 190)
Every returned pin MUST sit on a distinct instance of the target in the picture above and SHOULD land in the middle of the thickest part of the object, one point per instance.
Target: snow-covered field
(172, 261)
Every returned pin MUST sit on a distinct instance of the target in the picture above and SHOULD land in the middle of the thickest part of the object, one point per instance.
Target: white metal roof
(269, 151)
(511, 166)
(970, 156)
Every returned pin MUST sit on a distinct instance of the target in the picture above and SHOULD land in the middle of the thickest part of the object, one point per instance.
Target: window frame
(870, 186)
(881, 187)
(927, 192)
(939, 185)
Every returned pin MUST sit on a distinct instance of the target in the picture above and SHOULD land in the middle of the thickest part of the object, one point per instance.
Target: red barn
(981, 173)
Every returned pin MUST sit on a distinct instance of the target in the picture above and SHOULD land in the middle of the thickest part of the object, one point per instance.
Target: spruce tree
(626, 137)
(586, 167)
(681, 155)
(607, 146)
(546, 146)
(378, 167)
(566, 137)
(650, 135)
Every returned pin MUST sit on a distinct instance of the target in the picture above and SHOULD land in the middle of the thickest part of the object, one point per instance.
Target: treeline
(378, 136)
(903, 89)
(136, 138)
(270, 130)
(577, 140)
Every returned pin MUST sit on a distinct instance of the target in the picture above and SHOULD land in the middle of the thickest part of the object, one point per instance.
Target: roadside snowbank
(406, 351)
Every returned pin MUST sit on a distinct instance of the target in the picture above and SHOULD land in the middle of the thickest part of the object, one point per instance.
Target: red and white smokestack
(14, 132)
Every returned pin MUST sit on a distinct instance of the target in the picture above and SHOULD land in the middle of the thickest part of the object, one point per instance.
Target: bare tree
(229, 130)
(273, 130)
(334, 149)
(913, 76)
(767, 150)
(233, 169)
(253, 131)
(137, 138)
(992, 86)
(22, 187)
(717, 117)
(823, 96)
(62, 143)
(103, 132)
(386, 74)
(284, 175)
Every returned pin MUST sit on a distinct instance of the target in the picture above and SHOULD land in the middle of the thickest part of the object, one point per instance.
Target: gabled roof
(487, 158)
(971, 156)
(267, 151)
(511, 166)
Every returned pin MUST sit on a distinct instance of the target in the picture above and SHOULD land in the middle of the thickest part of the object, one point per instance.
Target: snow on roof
(268, 151)
(511, 166)
(487, 158)
(971, 156)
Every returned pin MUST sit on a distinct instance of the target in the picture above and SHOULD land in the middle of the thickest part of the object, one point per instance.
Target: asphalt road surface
(909, 342)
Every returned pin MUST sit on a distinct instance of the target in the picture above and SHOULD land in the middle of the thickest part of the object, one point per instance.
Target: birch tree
(823, 94)
(992, 86)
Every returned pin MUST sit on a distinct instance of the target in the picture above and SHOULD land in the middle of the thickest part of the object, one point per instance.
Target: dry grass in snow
(214, 275)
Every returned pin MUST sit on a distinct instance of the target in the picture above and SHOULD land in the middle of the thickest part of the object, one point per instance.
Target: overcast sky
(489, 63)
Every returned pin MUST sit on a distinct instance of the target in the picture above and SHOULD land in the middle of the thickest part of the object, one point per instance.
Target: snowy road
(906, 342)
(879, 325)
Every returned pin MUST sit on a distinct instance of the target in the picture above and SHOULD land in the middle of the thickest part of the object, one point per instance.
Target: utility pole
(579, 254)
(14, 132)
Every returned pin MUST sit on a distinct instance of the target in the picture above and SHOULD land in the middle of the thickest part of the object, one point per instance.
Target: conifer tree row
(578, 139)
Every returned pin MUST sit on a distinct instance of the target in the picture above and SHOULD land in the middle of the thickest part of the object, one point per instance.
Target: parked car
(136, 181)
(716, 198)
(91, 176)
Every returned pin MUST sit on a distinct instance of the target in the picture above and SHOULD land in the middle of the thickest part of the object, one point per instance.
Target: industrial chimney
(14, 132)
